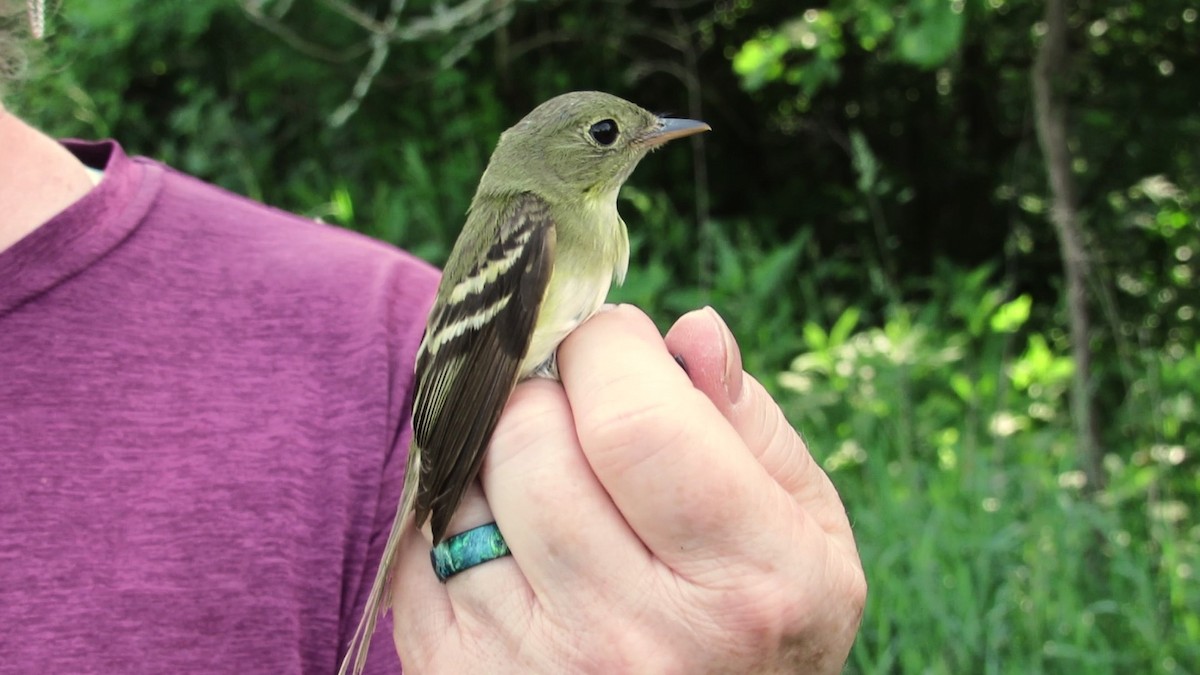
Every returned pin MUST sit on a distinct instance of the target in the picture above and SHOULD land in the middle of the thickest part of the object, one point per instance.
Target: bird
(540, 248)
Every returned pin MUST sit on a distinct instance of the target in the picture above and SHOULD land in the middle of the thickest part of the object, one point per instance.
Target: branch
(1051, 117)
(443, 21)
(253, 10)
(358, 16)
(503, 14)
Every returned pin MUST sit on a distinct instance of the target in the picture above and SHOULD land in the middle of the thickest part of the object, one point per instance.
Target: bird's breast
(586, 261)
(572, 297)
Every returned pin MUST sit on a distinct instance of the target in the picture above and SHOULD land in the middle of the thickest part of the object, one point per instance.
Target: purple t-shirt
(204, 409)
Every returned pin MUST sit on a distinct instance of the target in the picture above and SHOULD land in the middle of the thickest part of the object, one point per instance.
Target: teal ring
(468, 549)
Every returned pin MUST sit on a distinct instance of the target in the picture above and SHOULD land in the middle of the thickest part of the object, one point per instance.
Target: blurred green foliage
(869, 214)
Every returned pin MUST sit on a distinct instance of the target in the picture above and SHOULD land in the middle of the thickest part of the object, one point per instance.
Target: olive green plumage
(541, 245)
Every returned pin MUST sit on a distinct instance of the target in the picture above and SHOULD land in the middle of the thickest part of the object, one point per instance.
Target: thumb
(707, 350)
(703, 345)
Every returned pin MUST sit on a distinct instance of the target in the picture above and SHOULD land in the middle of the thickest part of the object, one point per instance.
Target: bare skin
(659, 522)
(38, 179)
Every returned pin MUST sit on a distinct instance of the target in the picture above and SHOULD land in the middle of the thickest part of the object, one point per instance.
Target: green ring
(468, 549)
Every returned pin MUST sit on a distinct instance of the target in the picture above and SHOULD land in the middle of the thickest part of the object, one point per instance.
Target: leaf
(815, 337)
(760, 60)
(1012, 315)
(929, 32)
(844, 326)
(770, 276)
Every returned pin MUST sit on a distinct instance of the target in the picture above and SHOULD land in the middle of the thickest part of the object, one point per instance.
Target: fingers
(674, 467)
(570, 541)
(565, 532)
(570, 545)
(421, 608)
(714, 364)
(427, 610)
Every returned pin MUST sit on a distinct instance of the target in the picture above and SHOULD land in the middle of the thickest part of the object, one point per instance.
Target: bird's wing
(477, 336)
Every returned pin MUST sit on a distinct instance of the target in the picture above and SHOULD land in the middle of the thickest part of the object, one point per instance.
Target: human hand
(657, 524)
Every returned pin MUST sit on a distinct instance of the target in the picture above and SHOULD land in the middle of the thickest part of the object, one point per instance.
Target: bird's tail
(360, 644)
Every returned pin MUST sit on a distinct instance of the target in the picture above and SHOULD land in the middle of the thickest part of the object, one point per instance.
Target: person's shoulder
(223, 228)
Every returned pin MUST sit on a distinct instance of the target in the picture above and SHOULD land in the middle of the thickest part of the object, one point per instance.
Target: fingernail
(732, 378)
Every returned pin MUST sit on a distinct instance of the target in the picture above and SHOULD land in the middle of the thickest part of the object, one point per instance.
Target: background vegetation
(872, 213)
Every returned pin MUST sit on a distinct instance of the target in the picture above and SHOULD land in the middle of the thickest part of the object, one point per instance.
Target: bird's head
(581, 145)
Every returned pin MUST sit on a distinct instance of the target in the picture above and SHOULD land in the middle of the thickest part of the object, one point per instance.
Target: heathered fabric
(204, 409)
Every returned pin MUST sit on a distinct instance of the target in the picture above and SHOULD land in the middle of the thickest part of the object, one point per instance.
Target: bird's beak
(671, 128)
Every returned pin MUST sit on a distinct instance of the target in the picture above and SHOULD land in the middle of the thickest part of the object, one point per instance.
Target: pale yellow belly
(570, 300)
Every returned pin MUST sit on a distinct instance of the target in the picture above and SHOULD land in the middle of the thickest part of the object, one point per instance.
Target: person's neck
(38, 179)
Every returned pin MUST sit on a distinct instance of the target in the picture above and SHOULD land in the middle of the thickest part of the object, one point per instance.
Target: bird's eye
(604, 132)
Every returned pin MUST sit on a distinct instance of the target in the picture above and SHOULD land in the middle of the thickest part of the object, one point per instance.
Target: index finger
(676, 469)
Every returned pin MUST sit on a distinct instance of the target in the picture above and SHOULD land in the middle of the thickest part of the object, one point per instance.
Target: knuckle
(630, 429)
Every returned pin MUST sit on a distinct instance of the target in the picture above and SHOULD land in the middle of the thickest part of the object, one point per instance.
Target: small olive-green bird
(541, 246)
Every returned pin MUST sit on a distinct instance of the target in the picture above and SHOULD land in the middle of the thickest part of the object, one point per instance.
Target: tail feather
(360, 644)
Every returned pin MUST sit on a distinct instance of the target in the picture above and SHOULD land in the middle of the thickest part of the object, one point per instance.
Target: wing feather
(470, 357)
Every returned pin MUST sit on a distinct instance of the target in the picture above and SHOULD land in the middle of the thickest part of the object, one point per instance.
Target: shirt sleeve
(406, 297)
